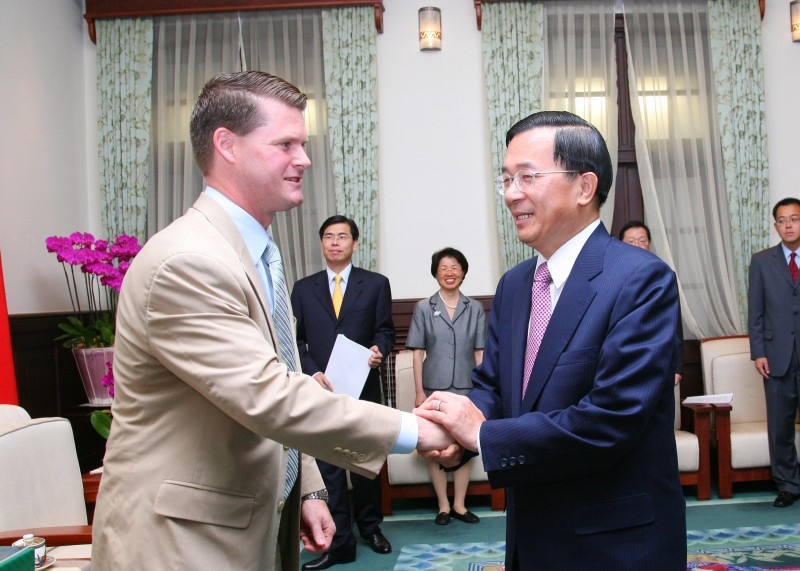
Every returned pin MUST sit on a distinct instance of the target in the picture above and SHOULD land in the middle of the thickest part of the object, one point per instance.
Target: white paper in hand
(348, 367)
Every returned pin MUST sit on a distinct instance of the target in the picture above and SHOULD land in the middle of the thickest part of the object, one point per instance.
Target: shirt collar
(345, 273)
(255, 236)
(561, 262)
(787, 252)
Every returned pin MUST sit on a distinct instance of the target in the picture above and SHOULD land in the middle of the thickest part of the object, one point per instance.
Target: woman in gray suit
(447, 334)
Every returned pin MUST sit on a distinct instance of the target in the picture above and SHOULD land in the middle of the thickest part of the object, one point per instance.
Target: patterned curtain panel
(581, 70)
(512, 40)
(679, 159)
(349, 49)
(735, 38)
(189, 50)
(124, 73)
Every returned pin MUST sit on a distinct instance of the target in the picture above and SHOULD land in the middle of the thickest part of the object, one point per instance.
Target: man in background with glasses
(356, 303)
(773, 323)
(572, 407)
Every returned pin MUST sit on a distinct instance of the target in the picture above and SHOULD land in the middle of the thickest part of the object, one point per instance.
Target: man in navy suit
(356, 303)
(586, 451)
(774, 323)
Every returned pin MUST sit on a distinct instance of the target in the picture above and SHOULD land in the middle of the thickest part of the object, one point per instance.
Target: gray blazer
(773, 310)
(450, 345)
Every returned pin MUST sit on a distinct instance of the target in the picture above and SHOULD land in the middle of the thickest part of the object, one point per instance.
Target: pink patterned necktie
(793, 267)
(540, 317)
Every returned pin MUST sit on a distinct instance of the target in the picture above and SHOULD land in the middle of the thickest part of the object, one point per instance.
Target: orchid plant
(93, 291)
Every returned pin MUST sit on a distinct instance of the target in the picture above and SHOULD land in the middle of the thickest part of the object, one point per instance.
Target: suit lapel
(226, 227)
(572, 305)
(351, 293)
(779, 263)
(322, 291)
(520, 320)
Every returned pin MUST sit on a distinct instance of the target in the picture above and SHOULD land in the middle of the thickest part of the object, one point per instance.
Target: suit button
(362, 458)
(503, 463)
(286, 448)
(346, 452)
(338, 450)
(521, 459)
(512, 461)
(281, 505)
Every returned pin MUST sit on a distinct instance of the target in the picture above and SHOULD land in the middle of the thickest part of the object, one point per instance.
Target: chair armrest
(722, 433)
(699, 407)
(54, 536)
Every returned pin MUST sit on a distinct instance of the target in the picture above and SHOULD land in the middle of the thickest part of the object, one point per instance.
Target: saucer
(48, 562)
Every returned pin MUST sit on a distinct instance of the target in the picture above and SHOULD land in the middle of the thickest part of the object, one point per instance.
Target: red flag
(8, 381)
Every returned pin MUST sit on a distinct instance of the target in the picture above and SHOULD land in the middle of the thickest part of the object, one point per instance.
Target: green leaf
(101, 421)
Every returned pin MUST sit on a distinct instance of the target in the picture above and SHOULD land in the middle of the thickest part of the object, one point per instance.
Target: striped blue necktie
(273, 267)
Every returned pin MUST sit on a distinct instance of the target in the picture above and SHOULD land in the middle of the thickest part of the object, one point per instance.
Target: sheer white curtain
(188, 51)
(679, 159)
(580, 72)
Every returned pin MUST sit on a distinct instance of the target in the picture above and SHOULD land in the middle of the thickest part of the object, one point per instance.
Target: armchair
(41, 491)
(406, 475)
(741, 427)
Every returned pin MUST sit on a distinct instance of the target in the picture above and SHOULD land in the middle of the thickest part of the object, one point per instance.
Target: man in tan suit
(206, 411)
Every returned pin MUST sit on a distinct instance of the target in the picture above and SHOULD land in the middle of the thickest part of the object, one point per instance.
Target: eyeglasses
(639, 242)
(524, 179)
(784, 221)
(335, 237)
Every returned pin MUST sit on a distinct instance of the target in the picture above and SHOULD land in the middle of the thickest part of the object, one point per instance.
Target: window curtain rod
(762, 5)
(105, 9)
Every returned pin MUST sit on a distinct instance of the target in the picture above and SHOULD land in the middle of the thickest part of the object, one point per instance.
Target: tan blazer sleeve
(206, 324)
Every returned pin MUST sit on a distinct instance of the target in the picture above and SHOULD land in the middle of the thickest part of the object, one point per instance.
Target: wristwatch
(318, 495)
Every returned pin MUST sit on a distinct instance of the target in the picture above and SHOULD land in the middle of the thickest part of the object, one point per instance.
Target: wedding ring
(438, 404)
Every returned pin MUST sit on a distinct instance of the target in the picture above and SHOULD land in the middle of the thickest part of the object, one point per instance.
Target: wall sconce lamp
(430, 29)
(794, 7)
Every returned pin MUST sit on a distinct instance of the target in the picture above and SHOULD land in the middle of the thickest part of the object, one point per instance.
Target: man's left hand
(316, 526)
(457, 414)
(376, 358)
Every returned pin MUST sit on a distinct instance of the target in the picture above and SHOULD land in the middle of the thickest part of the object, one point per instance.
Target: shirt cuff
(479, 441)
(409, 434)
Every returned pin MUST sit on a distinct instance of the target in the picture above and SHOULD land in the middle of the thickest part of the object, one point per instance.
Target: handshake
(448, 424)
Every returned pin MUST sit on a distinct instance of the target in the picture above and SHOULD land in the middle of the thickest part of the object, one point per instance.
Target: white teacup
(37, 544)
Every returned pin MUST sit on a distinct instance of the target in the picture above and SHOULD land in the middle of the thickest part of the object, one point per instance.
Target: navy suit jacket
(588, 458)
(365, 317)
(773, 310)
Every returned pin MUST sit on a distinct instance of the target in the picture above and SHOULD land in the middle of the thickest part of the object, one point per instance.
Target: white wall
(44, 185)
(782, 88)
(434, 168)
(435, 173)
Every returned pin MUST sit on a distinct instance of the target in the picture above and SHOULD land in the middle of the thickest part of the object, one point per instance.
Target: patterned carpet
(745, 548)
(775, 547)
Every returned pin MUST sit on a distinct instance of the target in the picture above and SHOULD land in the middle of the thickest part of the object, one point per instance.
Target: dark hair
(784, 202)
(578, 146)
(634, 224)
(230, 100)
(448, 253)
(339, 219)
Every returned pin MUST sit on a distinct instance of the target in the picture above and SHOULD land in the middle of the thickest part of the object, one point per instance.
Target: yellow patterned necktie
(337, 295)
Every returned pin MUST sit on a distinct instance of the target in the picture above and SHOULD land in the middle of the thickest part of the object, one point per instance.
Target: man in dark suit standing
(356, 303)
(572, 408)
(774, 323)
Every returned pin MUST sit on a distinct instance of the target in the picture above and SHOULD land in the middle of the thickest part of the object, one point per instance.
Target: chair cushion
(688, 451)
(750, 444)
(44, 488)
(736, 374)
(11, 413)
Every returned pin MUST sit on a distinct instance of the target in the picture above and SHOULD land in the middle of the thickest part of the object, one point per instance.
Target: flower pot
(92, 367)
